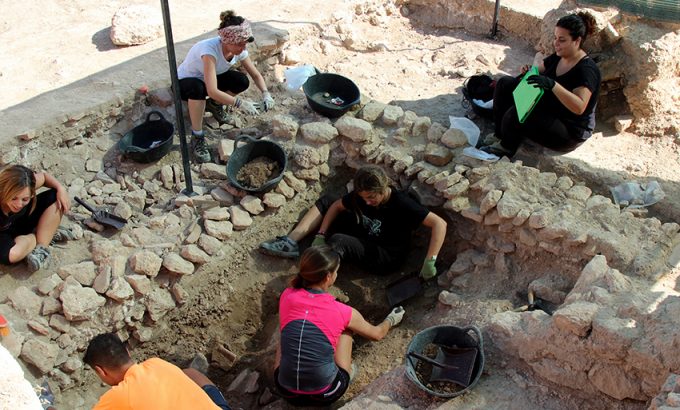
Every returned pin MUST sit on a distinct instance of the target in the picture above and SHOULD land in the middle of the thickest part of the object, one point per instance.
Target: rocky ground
(227, 304)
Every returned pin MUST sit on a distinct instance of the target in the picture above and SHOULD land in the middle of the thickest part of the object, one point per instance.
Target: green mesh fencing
(666, 10)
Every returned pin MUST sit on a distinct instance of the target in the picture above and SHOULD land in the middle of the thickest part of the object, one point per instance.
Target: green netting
(666, 10)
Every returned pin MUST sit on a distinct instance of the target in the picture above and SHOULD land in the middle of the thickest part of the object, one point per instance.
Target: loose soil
(233, 299)
(257, 172)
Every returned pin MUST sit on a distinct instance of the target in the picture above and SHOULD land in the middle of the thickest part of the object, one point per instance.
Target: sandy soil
(234, 300)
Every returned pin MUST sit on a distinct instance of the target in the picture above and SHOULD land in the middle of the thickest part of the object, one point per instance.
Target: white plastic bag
(479, 154)
(297, 76)
(469, 128)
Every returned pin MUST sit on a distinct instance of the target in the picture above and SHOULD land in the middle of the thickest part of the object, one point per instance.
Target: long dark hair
(580, 24)
(315, 264)
(370, 178)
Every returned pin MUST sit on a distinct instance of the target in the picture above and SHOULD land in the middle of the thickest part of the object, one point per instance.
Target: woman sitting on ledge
(565, 116)
(30, 222)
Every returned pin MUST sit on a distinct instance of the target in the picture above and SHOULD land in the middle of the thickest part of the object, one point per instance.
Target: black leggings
(542, 126)
(347, 237)
(231, 81)
(25, 224)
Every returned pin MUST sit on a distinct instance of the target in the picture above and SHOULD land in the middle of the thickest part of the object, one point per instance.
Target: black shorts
(231, 81)
(25, 224)
(338, 388)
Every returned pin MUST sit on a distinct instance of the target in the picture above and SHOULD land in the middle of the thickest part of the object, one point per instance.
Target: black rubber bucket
(446, 336)
(253, 149)
(324, 88)
(149, 141)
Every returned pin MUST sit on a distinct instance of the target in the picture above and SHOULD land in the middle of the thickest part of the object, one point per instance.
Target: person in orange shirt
(153, 384)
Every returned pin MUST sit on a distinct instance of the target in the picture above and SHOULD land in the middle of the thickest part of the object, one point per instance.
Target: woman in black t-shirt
(29, 222)
(565, 116)
(372, 226)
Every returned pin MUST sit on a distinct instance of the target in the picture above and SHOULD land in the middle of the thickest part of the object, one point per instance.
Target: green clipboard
(526, 96)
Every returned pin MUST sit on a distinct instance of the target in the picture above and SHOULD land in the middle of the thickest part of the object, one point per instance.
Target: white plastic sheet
(635, 195)
(297, 76)
(469, 128)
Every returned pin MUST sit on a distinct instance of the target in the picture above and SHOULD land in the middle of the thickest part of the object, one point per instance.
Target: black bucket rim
(283, 163)
(479, 362)
(325, 109)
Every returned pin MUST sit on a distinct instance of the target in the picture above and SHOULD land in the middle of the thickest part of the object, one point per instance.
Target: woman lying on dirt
(30, 222)
(208, 71)
(371, 226)
(565, 116)
(314, 359)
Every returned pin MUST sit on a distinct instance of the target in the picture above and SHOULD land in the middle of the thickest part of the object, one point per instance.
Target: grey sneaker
(38, 258)
(62, 234)
(200, 149)
(217, 110)
(200, 363)
(282, 246)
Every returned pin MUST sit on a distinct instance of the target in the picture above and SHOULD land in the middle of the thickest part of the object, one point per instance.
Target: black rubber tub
(149, 141)
(331, 95)
(253, 149)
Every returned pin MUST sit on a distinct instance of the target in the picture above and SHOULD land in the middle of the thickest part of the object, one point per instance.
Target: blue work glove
(541, 81)
(319, 240)
(428, 271)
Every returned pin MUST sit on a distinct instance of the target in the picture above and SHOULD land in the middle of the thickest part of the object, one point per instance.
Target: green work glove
(428, 271)
(319, 240)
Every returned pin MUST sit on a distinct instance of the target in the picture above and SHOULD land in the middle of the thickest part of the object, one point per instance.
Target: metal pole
(494, 25)
(184, 148)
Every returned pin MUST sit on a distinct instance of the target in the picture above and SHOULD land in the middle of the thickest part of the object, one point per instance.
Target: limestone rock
(209, 244)
(213, 171)
(392, 114)
(490, 201)
(225, 148)
(355, 129)
(178, 265)
(437, 155)
(421, 126)
(576, 318)
(284, 126)
(83, 272)
(167, 176)
(79, 303)
(42, 355)
(318, 132)
(284, 189)
(274, 200)
(103, 249)
(60, 323)
(136, 24)
(120, 290)
(613, 381)
(312, 174)
(50, 305)
(222, 196)
(435, 132)
(123, 210)
(102, 281)
(146, 263)
(139, 283)
(181, 296)
(454, 138)
(25, 302)
(240, 218)
(219, 229)
(216, 214)
(47, 284)
(293, 182)
(306, 156)
(194, 254)
(372, 111)
(252, 204)
(158, 303)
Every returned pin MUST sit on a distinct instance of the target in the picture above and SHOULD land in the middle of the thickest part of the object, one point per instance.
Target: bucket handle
(241, 138)
(148, 117)
(478, 334)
